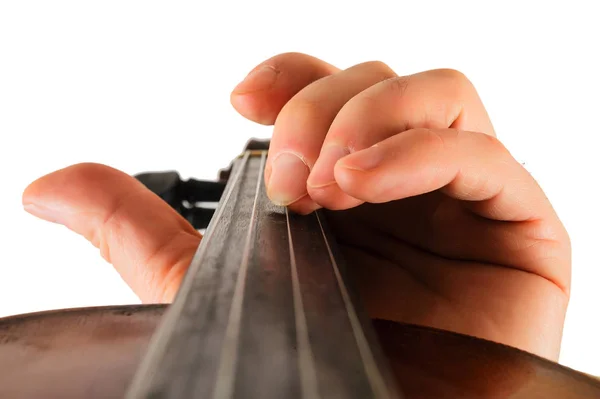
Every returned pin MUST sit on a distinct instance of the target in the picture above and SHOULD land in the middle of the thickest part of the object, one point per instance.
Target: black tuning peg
(183, 195)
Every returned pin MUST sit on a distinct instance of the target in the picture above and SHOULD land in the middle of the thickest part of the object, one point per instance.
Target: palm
(421, 260)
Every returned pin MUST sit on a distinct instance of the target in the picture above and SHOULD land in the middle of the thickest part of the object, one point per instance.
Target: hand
(440, 225)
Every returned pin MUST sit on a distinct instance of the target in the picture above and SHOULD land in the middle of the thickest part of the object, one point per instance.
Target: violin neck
(265, 310)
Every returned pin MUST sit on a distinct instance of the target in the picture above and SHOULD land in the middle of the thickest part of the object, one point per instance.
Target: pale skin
(441, 226)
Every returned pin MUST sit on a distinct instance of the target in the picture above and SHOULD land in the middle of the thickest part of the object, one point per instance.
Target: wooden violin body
(266, 310)
(93, 353)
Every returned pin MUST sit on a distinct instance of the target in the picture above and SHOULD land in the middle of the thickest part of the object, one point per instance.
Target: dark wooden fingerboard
(265, 311)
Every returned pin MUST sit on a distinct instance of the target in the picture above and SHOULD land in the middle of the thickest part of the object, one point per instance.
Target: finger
(478, 170)
(146, 240)
(434, 99)
(266, 89)
(465, 165)
(302, 126)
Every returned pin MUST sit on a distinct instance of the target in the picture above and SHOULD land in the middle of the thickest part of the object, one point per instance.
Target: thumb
(147, 241)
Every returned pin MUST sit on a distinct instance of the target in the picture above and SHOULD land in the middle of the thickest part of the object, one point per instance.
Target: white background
(144, 85)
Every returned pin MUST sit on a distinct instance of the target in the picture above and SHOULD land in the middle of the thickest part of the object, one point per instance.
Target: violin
(267, 309)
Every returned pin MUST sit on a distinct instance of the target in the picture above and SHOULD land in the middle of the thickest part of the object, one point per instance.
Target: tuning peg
(163, 184)
(183, 195)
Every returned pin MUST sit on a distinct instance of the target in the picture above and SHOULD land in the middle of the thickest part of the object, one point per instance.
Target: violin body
(94, 352)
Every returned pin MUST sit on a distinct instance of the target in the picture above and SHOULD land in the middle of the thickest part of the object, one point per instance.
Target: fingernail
(43, 213)
(257, 80)
(322, 174)
(364, 160)
(287, 183)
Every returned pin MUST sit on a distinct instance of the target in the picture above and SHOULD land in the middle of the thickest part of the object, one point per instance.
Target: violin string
(371, 369)
(306, 364)
(229, 353)
(161, 338)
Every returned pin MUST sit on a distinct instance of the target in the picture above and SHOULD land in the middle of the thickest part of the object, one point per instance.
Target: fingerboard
(265, 311)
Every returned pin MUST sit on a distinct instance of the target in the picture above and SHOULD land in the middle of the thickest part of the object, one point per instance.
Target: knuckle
(285, 58)
(456, 77)
(452, 74)
(377, 64)
(492, 144)
(379, 68)
(292, 54)
(482, 142)
(434, 138)
(398, 84)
